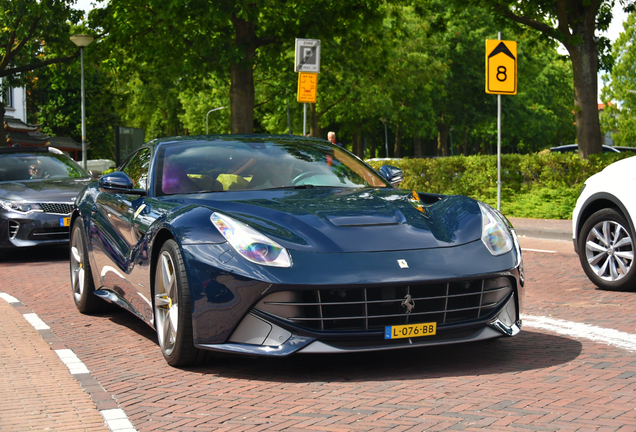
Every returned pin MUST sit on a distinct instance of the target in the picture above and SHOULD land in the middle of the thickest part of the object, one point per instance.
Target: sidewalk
(45, 387)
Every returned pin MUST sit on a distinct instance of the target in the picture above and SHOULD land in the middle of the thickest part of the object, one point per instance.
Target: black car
(625, 149)
(38, 186)
(570, 148)
(273, 245)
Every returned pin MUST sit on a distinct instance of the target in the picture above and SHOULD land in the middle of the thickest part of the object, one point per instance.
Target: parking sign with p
(307, 57)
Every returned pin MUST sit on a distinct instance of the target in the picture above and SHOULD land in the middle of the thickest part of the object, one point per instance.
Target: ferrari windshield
(38, 166)
(258, 165)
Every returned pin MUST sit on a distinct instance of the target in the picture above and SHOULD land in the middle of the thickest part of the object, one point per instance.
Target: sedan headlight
(494, 232)
(20, 206)
(251, 244)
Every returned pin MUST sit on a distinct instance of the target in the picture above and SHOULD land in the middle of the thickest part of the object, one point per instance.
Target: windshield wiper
(304, 186)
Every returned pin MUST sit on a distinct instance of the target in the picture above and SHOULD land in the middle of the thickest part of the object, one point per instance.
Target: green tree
(574, 24)
(189, 40)
(33, 34)
(620, 100)
(53, 96)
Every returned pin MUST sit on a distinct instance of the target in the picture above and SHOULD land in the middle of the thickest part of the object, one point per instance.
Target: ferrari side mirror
(394, 175)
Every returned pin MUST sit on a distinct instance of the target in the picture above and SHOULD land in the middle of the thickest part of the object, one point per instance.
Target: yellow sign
(307, 87)
(501, 67)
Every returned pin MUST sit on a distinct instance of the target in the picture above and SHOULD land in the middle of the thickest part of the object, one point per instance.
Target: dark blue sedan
(273, 245)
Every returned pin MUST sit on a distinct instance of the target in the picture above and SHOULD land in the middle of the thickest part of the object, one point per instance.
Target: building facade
(14, 99)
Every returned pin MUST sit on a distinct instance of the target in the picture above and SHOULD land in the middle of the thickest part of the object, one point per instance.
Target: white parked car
(603, 226)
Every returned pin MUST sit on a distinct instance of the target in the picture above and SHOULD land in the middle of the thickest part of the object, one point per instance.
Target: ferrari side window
(137, 168)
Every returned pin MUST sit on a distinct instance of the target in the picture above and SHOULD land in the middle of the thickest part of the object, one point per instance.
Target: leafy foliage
(415, 67)
(574, 24)
(534, 185)
(54, 102)
(618, 114)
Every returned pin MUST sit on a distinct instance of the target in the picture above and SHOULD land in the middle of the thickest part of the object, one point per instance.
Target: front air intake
(374, 308)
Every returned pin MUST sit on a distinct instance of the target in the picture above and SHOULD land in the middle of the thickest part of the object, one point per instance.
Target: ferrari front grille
(13, 229)
(376, 307)
(57, 208)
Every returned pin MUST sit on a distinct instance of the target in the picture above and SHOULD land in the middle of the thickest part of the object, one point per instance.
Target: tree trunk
(3, 135)
(242, 78)
(417, 147)
(358, 142)
(372, 147)
(314, 126)
(442, 139)
(465, 142)
(397, 149)
(585, 68)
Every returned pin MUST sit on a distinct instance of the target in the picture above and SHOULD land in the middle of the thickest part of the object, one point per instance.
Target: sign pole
(501, 78)
(499, 152)
(305, 119)
(499, 146)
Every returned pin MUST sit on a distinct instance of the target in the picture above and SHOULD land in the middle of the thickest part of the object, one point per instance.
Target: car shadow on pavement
(527, 351)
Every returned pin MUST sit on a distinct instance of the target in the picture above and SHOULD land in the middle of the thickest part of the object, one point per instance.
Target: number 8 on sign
(501, 67)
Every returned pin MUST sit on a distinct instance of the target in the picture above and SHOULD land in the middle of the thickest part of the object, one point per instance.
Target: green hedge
(535, 186)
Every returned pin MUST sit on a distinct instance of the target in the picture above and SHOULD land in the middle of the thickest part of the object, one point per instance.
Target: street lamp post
(206, 118)
(82, 40)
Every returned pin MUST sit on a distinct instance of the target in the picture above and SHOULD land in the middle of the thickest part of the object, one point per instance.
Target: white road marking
(72, 362)
(35, 321)
(538, 250)
(117, 420)
(8, 298)
(607, 336)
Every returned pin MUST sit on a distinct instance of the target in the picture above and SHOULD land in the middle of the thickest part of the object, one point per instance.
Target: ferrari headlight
(251, 244)
(20, 206)
(494, 232)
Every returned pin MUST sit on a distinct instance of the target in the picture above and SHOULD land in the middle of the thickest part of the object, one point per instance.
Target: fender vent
(13, 229)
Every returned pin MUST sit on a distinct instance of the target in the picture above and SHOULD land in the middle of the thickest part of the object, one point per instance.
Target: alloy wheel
(609, 250)
(166, 303)
(77, 265)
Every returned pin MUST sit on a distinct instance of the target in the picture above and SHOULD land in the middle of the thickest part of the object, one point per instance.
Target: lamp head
(82, 40)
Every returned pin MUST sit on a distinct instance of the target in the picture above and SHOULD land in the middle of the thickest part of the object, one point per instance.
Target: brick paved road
(535, 381)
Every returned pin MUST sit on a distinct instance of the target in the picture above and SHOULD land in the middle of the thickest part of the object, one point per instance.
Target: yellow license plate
(410, 330)
(65, 221)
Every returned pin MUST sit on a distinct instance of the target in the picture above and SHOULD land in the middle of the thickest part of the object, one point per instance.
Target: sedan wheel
(606, 250)
(173, 319)
(81, 276)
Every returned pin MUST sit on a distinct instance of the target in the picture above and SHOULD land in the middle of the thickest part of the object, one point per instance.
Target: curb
(544, 234)
(115, 418)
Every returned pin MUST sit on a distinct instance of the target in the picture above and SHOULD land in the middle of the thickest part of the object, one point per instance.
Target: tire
(81, 276)
(606, 251)
(172, 313)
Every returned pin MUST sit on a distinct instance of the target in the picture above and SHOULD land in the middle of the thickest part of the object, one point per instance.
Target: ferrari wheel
(81, 276)
(606, 251)
(173, 318)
